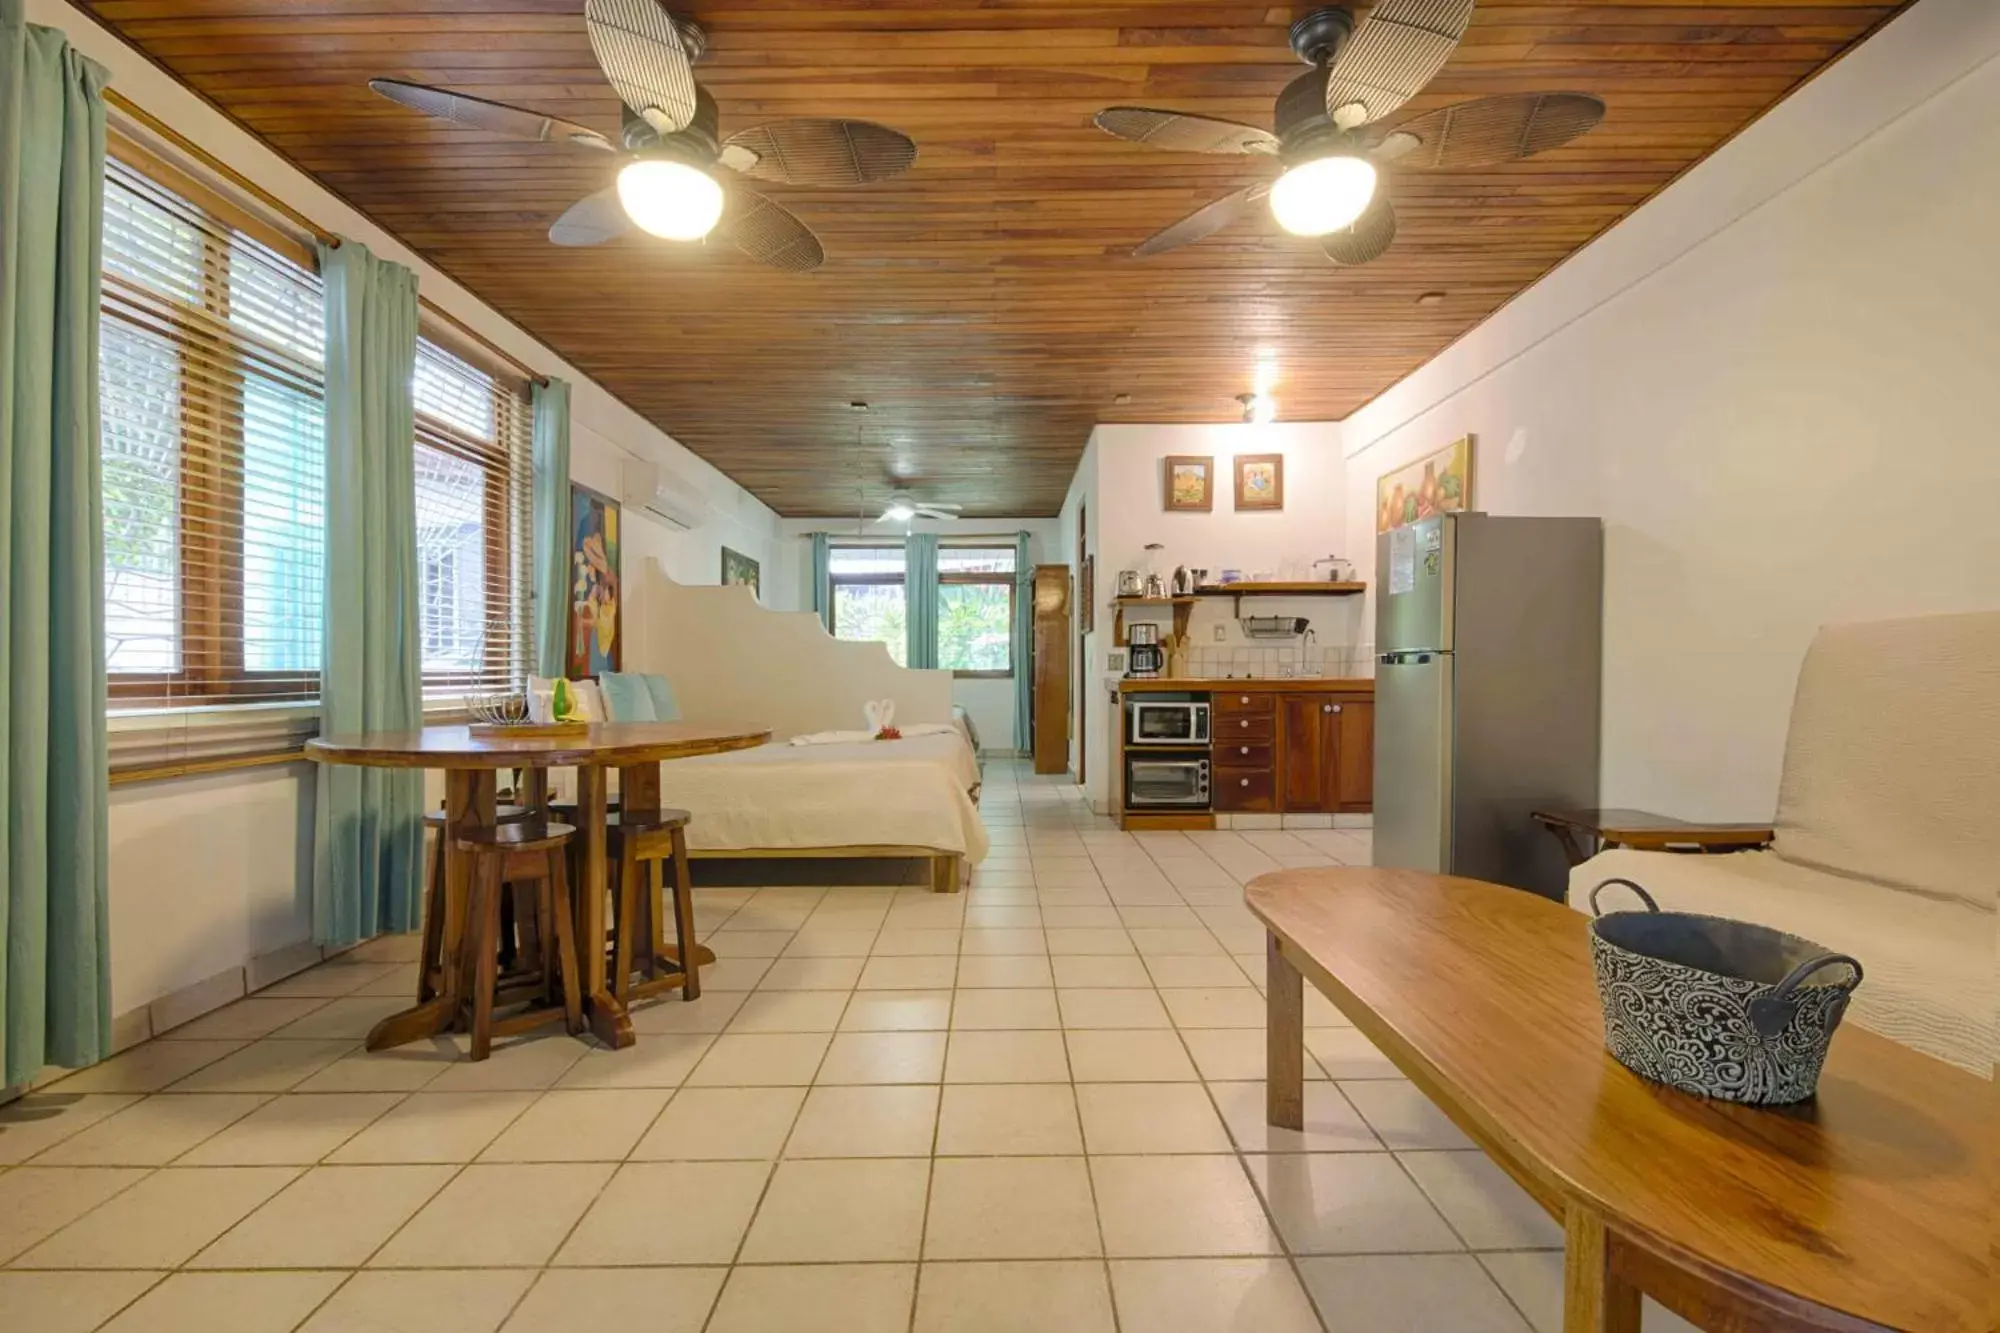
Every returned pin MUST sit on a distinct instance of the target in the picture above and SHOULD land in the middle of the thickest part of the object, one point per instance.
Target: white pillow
(589, 700)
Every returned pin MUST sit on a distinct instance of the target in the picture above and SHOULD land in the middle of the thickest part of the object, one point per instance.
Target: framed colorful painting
(1438, 484)
(1190, 483)
(1260, 481)
(596, 643)
(739, 569)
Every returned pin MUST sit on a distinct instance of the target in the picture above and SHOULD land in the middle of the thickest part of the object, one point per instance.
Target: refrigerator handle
(1395, 659)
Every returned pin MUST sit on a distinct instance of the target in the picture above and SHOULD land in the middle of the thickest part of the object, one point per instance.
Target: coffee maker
(1144, 658)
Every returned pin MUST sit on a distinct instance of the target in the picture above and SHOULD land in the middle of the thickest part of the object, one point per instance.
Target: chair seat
(502, 814)
(615, 820)
(515, 837)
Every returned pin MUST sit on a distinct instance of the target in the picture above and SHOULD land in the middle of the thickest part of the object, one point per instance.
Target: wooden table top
(1870, 1201)
(613, 743)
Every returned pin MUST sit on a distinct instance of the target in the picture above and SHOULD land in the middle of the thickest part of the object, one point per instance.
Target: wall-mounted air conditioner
(650, 487)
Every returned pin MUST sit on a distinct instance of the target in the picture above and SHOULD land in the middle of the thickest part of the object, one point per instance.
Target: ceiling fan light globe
(1323, 195)
(898, 513)
(671, 200)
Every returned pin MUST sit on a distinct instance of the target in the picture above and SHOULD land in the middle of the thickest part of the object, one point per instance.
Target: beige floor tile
(402, 982)
(1085, 940)
(668, 1213)
(153, 1132)
(579, 1125)
(790, 1011)
(1231, 1055)
(297, 1130)
(1006, 1057)
(1009, 1120)
(1100, 971)
(1005, 971)
(1182, 971)
(528, 1065)
(38, 1201)
(822, 1298)
(1175, 943)
(1112, 1008)
(1011, 1208)
(1403, 1117)
(885, 1121)
(1349, 1203)
(434, 1127)
(351, 1017)
(710, 1013)
(41, 1120)
(1320, 1012)
(1003, 917)
(898, 1011)
(899, 942)
(67, 1302)
(1216, 1007)
(909, 972)
(1111, 1055)
(270, 1065)
(406, 947)
(438, 1301)
(820, 942)
(145, 1068)
(1409, 1293)
(249, 1019)
(658, 1060)
(1013, 1298)
(841, 1211)
(733, 942)
(1010, 1010)
(813, 974)
(884, 1057)
(729, 973)
(331, 1217)
(161, 1221)
(1332, 1124)
(1064, 916)
(329, 980)
(403, 1069)
(1211, 1296)
(660, 1300)
(722, 1123)
(1149, 1118)
(1482, 1202)
(1178, 1207)
(226, 1303)
(760, 1059)
(496, 1217)
(977, 942)
(1345, 1054)
(1533, 1280)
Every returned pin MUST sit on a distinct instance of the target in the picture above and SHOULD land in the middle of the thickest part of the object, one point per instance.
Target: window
(869, 598)
(976, 610)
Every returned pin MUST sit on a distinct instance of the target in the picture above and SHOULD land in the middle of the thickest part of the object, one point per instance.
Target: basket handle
(1644, 896)
(1771, 1014)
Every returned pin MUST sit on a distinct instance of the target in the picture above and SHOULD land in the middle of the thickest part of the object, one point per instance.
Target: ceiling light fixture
(1258, 408)
(670, 199)
(1323, 194)
(898, 513)
(1265, 377)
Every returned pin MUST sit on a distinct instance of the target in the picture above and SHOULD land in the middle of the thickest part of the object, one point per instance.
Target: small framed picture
(741, 569)
(1260, 481)
(1190, 483)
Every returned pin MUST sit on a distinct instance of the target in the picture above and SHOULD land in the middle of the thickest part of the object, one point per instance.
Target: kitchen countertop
(1258, 684)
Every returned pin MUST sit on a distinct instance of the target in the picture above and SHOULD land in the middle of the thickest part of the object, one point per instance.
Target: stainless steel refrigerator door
(1413, 728)
(1414, 580)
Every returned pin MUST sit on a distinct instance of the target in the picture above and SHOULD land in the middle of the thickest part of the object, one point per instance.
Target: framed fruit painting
(1438, 484)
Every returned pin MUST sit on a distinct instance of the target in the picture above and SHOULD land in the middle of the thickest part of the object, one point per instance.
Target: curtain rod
(154, 125)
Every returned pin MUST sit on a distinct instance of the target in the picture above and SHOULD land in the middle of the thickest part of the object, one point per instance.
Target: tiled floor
(1034, 1105)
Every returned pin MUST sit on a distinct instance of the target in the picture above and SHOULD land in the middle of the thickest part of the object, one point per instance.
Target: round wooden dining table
(471, 764)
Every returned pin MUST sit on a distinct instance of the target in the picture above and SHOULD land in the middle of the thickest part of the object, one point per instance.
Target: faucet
(1306, 666)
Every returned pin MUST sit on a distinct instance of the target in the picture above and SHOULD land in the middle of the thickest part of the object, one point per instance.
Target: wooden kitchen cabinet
(1326, 753)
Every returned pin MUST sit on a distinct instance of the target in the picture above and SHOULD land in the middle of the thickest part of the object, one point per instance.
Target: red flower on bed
(888, 734)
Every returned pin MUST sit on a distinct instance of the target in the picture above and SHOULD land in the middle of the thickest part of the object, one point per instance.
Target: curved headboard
(732, 662)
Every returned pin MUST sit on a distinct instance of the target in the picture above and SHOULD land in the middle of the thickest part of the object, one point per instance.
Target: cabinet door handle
(1326, 708)
(1246, 699)
(1244, 750)
(1245, 725)
(1243, 782)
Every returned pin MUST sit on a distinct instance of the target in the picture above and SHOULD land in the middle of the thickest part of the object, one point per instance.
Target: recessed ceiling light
(1431, 298)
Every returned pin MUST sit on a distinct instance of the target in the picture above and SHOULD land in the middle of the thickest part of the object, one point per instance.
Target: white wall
(1777, 383)
(989, 702)
(207, 874)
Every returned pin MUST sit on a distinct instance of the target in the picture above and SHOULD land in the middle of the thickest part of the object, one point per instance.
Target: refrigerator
(1489, 652)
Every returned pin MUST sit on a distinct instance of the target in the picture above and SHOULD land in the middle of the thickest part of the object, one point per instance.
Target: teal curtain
(1024, 645)
(55, 979)
(920, 582)
(822, 577)
(368, 821)
(551, 527)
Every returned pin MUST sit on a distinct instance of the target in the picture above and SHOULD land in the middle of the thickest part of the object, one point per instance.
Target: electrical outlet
(1221, 633)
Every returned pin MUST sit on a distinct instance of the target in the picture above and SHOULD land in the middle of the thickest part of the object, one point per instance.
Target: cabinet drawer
(1248, 789)
(1236, 730)
(1238, 703)
(1245, 754)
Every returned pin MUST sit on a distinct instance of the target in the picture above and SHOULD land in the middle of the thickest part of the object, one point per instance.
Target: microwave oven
(1166, 719)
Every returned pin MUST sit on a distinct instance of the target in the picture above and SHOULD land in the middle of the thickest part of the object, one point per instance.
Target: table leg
(1595, 1299)
(608, 1019)
(1285, 1040)
(469, 800)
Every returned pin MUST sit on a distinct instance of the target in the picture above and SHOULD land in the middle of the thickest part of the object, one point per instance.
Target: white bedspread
(915, 792)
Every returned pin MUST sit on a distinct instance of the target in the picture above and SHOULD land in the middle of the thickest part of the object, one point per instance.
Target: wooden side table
(1584, 833)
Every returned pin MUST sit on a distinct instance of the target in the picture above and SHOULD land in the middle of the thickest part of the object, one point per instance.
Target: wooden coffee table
(1866, 1208)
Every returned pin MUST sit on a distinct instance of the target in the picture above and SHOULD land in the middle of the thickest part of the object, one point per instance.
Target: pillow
(589, 703)
(665, 708)
(626, 698)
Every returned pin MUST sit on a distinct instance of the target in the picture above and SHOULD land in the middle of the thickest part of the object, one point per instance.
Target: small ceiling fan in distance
(669, 187)
(1329, 141)
(903, 507)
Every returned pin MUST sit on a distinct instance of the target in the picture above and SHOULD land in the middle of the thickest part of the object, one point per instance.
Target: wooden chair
(511, 915)
(646, 854)
(534, 853)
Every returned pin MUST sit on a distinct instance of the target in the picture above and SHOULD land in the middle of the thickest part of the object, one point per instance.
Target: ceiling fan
(903, 507)
(1328, 139)
(669, 187)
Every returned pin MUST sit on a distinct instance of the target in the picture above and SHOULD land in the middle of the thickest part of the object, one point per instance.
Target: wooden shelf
(1153, 601)
(1313, 588)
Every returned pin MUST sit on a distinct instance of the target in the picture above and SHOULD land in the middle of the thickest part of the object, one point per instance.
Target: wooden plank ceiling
(983, 304)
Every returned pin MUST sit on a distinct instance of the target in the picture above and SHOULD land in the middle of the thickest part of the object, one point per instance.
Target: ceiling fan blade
(1492, 129)
(937, 515)
(1367, 238)
(480, 114)
(639, 47)
(769, 233)
(1397, 50)
(1184, 134)
(824, 152)
(1204, 221)
(592, 220)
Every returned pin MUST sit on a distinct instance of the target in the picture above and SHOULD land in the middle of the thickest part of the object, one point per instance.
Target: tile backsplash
(1279, 661)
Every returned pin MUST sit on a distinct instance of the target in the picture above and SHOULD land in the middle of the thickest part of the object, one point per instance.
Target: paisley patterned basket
(1715, 1007)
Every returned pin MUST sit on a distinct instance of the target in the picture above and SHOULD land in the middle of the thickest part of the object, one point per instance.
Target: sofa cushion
(1930, 961)
(626, 698)
(1891, 773)
(665, 707)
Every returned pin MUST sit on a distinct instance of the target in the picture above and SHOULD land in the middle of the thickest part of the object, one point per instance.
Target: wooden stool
(521, 853)
(640, 944)
(433, 944)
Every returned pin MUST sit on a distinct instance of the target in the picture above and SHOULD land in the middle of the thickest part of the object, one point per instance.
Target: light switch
(1221, 633)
